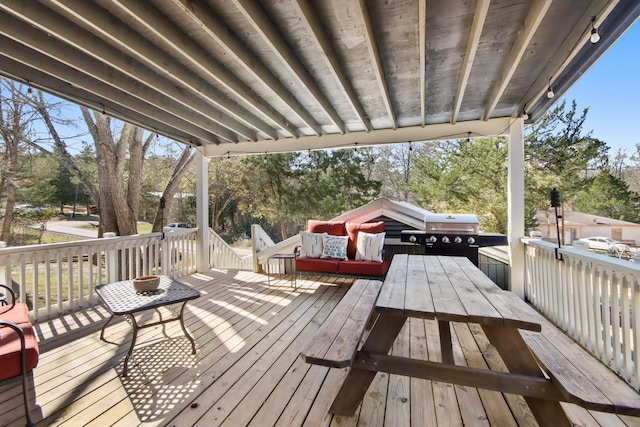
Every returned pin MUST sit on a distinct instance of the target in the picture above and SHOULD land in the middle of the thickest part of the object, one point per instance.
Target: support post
(202, 211)
(516, 211)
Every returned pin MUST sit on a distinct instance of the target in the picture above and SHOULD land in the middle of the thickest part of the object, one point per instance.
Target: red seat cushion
(18, 314)
(352, 231)
(335, 228)
(320, 265)
(363, 268)
(10, 351)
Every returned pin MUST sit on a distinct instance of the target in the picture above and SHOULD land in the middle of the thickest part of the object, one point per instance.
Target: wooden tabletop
(450, 288)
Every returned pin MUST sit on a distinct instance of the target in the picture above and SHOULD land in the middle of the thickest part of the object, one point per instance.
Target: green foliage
(287, 189)
(464, 176)
(608, 196)
(558, 154)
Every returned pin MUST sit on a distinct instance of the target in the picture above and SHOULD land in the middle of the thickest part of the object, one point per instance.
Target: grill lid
(451, 223)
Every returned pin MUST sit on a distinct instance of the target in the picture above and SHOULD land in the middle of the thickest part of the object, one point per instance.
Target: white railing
(62, 277)
(593, 298)
(265, 248)
(221, 255)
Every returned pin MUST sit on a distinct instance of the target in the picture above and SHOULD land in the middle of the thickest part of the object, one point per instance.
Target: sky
(611, 91)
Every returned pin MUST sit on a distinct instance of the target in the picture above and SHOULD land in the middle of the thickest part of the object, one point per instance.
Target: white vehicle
(28, 208)
(605, 244)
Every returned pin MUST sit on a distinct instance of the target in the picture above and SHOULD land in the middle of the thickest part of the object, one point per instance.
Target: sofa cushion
(10, 351)
(334, 247)
(311, 244)
(319, 265)
(353, 228)
(370, 246)
(18, 314)
(335, 228)
(363, 268)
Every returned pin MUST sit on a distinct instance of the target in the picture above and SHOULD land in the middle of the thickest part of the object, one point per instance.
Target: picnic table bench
(544, 365)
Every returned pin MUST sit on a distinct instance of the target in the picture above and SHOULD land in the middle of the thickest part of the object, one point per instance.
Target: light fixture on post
(595, 37)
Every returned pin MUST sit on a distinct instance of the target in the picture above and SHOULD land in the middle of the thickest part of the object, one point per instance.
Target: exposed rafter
(127, 40)
(95, 47)
(211, 24)
(482, 7)
(263, 25)
(241, 76)
(17, 57)
(531, 24)
(374, 53)
(180, 45)
(305, 8)
(53, 51)
(573, 44)
(92, 99)
(422, 43)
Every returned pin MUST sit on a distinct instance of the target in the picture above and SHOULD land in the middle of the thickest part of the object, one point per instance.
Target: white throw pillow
(369, 246)
(334, 247)
(311, 244)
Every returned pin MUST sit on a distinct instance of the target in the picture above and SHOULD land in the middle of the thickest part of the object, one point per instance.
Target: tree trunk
(185, 160)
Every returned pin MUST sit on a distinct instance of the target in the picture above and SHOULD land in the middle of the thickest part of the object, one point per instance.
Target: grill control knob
(445, 239)
(458, 239)
(471, 240)
(433, 239)
(412, 239)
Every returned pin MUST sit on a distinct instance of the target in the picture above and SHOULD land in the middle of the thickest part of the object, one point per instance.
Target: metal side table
(120, 298)
(283, 259)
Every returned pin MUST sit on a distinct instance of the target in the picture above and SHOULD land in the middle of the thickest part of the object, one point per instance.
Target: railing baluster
(594, 298)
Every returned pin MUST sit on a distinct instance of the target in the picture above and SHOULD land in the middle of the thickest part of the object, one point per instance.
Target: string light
(550, 93)
(595, 37)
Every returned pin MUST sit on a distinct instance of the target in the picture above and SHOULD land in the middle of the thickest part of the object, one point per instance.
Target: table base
(135, 327)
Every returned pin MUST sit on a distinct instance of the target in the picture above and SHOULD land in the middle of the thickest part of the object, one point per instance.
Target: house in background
(578, 225)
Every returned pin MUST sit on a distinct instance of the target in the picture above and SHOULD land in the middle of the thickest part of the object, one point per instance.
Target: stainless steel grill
(452, 234)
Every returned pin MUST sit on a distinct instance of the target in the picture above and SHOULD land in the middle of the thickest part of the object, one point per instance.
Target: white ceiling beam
(476, 128)
(182, 46)
(374, 53)
(61, 53)
(315, 28)
(215, 28)
(86, 84)
(479, 17)
(422, 35)
(259, 20)
(127, 40)
(56, 26)
(530, 25)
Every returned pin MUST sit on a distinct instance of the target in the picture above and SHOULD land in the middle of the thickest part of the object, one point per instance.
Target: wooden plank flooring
(247, 370)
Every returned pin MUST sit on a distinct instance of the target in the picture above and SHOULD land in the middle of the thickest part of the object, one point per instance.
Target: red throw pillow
(352, 231)
(335, 228)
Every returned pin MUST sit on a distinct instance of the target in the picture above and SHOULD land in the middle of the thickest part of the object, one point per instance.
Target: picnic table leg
(519, 359)
(380, 340)
(446, 346)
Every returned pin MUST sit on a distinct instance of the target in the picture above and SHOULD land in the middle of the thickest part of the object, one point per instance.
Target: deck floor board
(247, 370)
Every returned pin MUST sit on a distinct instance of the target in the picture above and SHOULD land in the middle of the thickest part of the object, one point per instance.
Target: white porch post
(202, 211)
(516, 212)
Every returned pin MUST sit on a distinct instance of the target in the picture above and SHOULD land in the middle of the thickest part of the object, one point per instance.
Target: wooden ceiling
(238, 76)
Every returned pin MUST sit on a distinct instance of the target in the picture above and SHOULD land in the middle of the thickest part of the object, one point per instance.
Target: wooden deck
(247, 370)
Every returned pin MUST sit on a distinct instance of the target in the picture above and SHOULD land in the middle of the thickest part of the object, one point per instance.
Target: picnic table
(544, 365)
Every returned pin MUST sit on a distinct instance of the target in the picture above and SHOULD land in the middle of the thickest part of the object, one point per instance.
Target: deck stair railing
(221, 255)
(594, 298)
(61, 277)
